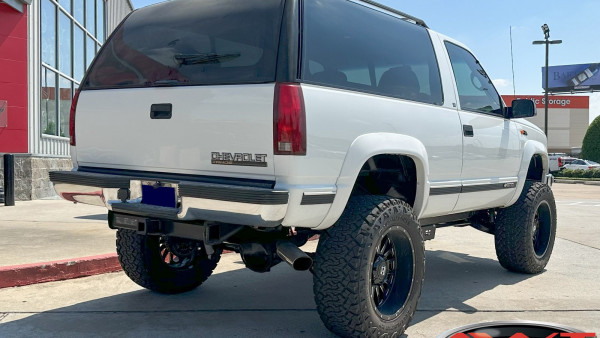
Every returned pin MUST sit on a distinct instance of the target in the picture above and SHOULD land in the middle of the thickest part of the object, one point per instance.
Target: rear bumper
(196, 200)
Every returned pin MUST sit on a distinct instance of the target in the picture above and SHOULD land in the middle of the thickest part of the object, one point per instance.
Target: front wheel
(164, 264)
(369, 269)
(525, 232)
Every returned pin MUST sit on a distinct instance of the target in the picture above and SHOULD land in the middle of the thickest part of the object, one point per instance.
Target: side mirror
(521, 109)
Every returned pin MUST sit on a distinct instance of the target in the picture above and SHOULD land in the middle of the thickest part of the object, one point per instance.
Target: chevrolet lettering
(243, 159)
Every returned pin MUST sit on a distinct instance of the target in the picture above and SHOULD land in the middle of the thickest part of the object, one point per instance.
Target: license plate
(159, 195)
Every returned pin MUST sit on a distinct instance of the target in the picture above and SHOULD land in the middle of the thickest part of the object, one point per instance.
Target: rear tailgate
(115, 129)
(184, 87)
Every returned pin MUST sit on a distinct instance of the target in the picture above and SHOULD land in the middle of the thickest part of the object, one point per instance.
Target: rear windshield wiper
(193, 59)
(171, 82)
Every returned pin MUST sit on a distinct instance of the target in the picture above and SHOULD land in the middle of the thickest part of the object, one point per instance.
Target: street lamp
(546, 42)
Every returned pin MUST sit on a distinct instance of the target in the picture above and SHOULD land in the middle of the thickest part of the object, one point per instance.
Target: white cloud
(501, 83)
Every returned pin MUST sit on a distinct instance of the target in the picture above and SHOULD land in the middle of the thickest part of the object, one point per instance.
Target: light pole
(546, 42)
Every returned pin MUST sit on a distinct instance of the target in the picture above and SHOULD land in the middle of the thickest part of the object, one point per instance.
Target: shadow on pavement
(98, 217)
(453, 278)
(243, 303)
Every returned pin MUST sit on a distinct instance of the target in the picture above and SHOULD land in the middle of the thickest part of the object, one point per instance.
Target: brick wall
(31, 175)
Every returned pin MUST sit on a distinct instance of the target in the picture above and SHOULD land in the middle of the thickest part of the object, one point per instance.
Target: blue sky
(484, 26)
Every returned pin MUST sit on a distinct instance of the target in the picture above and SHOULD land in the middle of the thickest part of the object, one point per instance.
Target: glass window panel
(100, 20)
(475, 89)
(90, 16)
(90, 51)
(65, 97)
(158, 44)
(64, 44)
(48, 102)
(79, 64)
(395, 58)
(66, 4)
(78, 10)
(49, 33)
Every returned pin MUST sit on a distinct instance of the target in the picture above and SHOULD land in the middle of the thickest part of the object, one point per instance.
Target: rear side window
(192, 43)
(348, 45)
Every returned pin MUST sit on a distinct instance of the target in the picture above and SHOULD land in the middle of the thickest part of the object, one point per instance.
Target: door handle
(468, 130)
(161, 111)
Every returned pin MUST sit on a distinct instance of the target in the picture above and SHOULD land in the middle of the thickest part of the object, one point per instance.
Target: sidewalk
(48, 240)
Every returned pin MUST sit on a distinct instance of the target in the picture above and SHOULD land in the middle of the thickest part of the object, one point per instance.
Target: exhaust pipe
(292, 255)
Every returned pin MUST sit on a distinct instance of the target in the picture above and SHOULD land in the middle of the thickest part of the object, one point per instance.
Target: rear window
(191, 43)
(349, 45)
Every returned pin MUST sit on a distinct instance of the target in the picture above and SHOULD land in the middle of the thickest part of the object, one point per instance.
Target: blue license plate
(159, 196)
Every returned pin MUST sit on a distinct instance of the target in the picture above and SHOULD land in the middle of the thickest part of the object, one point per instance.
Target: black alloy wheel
(392, 272)
(177, 253)
(542, 226)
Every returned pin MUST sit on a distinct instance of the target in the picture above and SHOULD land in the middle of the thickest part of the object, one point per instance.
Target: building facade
(45, 48)
(568, 120)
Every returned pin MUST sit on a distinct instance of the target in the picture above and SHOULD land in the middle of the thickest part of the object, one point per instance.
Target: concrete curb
(558, 180)
(26, 274)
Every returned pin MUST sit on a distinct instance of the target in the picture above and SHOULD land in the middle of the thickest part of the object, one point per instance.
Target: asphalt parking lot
(464, 284)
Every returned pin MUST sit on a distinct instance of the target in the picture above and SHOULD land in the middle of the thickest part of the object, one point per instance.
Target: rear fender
(367, 146)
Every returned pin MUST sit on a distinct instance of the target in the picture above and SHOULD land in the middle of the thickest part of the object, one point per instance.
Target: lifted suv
(254, 125)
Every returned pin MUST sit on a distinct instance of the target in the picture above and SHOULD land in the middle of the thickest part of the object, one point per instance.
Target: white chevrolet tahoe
(253, 125)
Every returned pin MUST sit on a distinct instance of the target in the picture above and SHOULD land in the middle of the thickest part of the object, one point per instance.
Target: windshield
(191, 43)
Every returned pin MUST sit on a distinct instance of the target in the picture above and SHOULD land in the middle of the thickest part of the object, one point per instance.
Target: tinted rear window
(192, 43)
(349, 45)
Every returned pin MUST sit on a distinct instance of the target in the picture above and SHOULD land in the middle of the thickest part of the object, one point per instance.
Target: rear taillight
(560, 164)
(289, 120)
(72, 117)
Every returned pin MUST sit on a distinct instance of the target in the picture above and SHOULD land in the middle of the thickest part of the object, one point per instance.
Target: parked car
(583, 165)
(253, 125)
(556, 161)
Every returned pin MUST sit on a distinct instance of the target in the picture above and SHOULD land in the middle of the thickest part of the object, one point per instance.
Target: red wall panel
(13, 78)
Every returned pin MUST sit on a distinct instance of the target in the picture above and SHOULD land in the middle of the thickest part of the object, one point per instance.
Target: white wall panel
(116, 10)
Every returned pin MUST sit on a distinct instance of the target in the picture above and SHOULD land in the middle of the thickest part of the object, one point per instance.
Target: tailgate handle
(161, 111)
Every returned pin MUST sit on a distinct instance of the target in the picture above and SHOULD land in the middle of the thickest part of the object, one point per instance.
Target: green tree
(591, 142)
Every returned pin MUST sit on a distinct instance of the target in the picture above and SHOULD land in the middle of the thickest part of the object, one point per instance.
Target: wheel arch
(369, 146)
(534, 153)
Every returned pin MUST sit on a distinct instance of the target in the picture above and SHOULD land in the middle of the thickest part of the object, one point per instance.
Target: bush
(565, 173)
(579, 173)
(590, 149)
(588, 174)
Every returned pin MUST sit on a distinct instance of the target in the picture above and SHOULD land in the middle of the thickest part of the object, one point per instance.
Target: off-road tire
(141, 260)
(516, 248)
(344, 268)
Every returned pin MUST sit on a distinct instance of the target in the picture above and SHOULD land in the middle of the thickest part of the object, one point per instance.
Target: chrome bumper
(196, 201)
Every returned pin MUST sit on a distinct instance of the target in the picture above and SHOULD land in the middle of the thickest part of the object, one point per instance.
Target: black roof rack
(395, 11)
